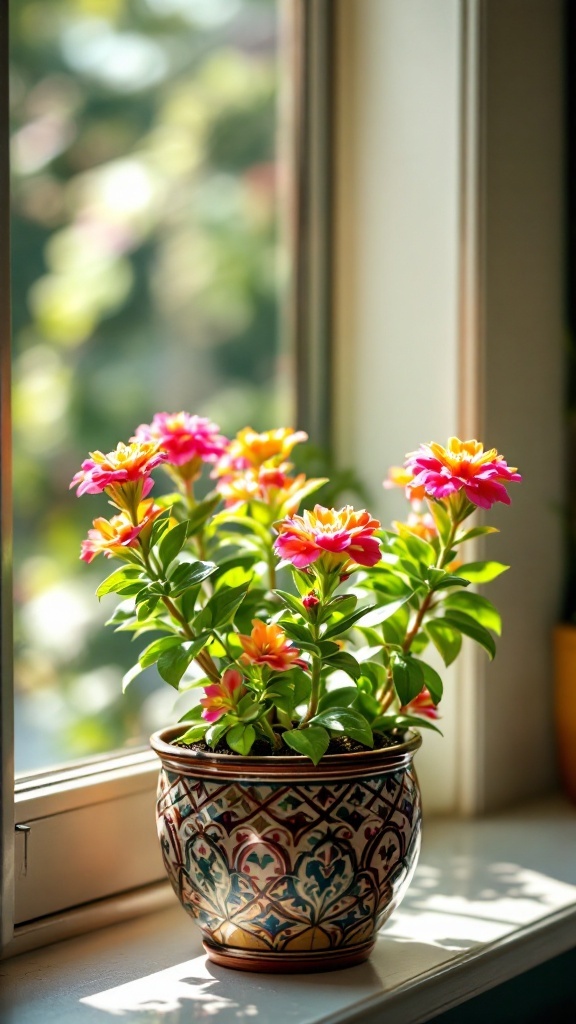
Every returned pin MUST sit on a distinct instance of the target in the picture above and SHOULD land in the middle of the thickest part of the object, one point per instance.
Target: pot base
(287, 963)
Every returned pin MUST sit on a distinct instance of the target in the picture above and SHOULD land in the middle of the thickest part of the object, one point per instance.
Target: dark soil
(261, 748)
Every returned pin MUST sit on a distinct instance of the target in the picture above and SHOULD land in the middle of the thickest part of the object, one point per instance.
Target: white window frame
(428, 81)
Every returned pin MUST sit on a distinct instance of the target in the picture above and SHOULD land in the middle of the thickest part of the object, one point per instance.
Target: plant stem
(271, 569)
(424, 607)
(203, 658)
(315, 688)
(269, 732)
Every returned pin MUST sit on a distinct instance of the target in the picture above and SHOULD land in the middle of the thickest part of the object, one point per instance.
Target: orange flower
(269, 645)
(250, 449)
(333, 537)
(399, 476)
(269, 485)
(109, 537)
(421, 525)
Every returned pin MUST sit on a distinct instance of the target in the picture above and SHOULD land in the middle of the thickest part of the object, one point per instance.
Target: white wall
(447, 310)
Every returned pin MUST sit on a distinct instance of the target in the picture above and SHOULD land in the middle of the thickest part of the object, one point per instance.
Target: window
(447, 168)
(159, 153)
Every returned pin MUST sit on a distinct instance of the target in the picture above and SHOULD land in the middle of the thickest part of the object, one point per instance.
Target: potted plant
(288, 807)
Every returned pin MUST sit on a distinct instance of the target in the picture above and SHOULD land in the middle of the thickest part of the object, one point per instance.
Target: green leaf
(378, 615)
(130, 675)
(328, 648)
(281, 696)
(481, 572)
(408, 676)
(473, 629)
(375, 674)
(146, 609)
(301, 635)
(389, 722)
(293, 603)
(172, 543)
(173, 663)
(441, 518)
(159, 527)
(476, 531)
(193, 715)
(304, 583)
(394, 629)
(188, 602)
(240, 738)
(432, 680)
(202, 512)
(229, 519)
(420, 549)
(150, 655)
(445, 638)
(342, 604)
(126, 575)
(216, 731)
(438, 579)
(222, 606)
(235, 577)
(312, 741)
(347, 721)
(345, 663)
(190, 574)
(343, 625)
(477, 608)
(196, 733)
(248, 709)
(342, 697)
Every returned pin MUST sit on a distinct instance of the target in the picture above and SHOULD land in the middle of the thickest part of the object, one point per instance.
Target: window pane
(145, 278)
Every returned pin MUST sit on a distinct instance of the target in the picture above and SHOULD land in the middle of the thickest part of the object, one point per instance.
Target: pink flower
(129, 463)
(109, 537)
(334, 537)
(422, 705)
(463, 466)
(185, 439)
(223, 696)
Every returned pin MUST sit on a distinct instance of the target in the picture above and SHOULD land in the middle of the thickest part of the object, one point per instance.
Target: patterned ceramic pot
(286, 866)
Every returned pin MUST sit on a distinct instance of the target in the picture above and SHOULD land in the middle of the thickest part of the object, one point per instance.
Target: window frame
(60, 806)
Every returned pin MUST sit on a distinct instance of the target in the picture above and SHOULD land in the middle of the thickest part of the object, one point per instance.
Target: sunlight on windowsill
(449, 912)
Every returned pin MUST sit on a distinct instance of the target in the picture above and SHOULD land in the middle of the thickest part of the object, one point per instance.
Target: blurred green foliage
(145, 278)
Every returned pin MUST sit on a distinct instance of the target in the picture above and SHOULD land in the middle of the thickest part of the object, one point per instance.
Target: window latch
(25, 829)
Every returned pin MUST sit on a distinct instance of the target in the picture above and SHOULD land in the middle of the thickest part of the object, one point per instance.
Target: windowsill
(491, 898)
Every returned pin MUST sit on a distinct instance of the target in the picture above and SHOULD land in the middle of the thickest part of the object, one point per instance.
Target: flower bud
(310, 601)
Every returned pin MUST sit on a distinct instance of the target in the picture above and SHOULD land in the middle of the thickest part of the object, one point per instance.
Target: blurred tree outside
(145, 278)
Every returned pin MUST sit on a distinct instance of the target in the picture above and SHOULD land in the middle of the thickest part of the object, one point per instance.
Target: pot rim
(346, 765)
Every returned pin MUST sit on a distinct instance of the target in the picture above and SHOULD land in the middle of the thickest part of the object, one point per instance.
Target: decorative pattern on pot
(286, 867)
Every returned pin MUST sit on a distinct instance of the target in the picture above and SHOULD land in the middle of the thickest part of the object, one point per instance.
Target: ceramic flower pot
(286, 866)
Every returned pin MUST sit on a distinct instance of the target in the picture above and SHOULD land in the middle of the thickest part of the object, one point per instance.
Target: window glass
(145, 278)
